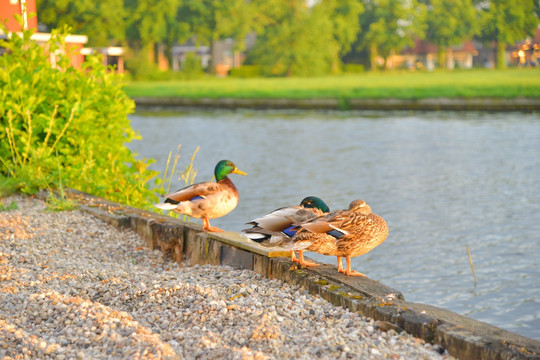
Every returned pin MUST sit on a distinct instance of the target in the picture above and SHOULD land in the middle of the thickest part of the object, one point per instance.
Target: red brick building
(8, 9)
(28, 11)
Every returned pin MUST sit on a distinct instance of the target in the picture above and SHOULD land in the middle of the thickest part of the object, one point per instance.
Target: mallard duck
(343, 233)
(280, 225)
(207, 200)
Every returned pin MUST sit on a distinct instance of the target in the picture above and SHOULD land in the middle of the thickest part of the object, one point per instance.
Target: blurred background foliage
(296, 37)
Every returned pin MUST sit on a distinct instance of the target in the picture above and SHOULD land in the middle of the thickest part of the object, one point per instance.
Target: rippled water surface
(443, 181)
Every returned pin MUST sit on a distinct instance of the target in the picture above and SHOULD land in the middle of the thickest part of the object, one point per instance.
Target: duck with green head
(207, 200)
(280, 225)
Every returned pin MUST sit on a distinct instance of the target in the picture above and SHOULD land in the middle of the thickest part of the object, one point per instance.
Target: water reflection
(441, 180)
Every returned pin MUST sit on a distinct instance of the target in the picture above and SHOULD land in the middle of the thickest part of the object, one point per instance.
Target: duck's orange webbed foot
(353, 273)
(348, 271)
(207, 227)
(340, 265)
(304, 262)
(213, 229)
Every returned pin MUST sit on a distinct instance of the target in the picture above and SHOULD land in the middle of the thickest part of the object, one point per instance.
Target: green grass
(402, 85)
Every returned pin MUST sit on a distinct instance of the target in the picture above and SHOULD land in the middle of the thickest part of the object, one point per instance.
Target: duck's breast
(371, 233)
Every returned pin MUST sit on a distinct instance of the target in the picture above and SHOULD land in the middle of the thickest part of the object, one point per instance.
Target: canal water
(444, 181)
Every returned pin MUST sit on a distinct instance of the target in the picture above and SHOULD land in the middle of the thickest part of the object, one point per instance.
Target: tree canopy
(213, 20)
(506, 22)
(306, 40)
(294, 37)
(449, 23)
(103, 21)
(390, 26)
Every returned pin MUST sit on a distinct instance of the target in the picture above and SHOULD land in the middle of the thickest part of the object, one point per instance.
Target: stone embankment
(455, 104)
(74, 287)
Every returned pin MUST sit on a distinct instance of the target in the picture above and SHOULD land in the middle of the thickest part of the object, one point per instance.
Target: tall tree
(391, 25)
(213, 20)
(302, 38)
(295, 43)
(507, 22)
(449, 23)
(344, 16)
(151, 22)
(102, 21)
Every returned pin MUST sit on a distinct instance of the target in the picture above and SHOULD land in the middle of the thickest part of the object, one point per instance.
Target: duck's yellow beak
(239, 172)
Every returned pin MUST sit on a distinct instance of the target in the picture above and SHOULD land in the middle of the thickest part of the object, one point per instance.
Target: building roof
(70, 39)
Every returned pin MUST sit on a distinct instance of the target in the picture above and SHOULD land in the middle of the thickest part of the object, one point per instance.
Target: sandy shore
(73, 287)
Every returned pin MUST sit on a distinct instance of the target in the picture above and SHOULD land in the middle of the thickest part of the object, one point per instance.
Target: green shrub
(192, 67)
(140, 68)
(65, 125)
(246, 71)
(353, 68)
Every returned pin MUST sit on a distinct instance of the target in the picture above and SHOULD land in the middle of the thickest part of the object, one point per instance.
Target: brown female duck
(343, 233)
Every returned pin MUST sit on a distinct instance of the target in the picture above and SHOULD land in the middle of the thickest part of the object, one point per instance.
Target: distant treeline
(293, 37)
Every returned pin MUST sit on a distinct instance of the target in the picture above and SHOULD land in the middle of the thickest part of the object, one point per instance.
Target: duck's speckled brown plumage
(361, 232)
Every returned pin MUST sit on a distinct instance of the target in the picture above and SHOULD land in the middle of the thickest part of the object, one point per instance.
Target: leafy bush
(246, 71)
(192, 67)
(354, 68)
(141, 68)
(61, 125)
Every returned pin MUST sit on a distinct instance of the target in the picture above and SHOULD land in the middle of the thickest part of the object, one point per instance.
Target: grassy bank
(401, 85)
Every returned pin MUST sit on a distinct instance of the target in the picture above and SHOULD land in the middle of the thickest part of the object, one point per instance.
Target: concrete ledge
(240, 242)
(463, 337)
(457, 104)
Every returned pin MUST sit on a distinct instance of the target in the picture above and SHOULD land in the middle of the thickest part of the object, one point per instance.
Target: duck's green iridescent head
(315, 202)
(224, 168)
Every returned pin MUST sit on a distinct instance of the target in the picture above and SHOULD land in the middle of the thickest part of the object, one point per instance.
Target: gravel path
(73, 287)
